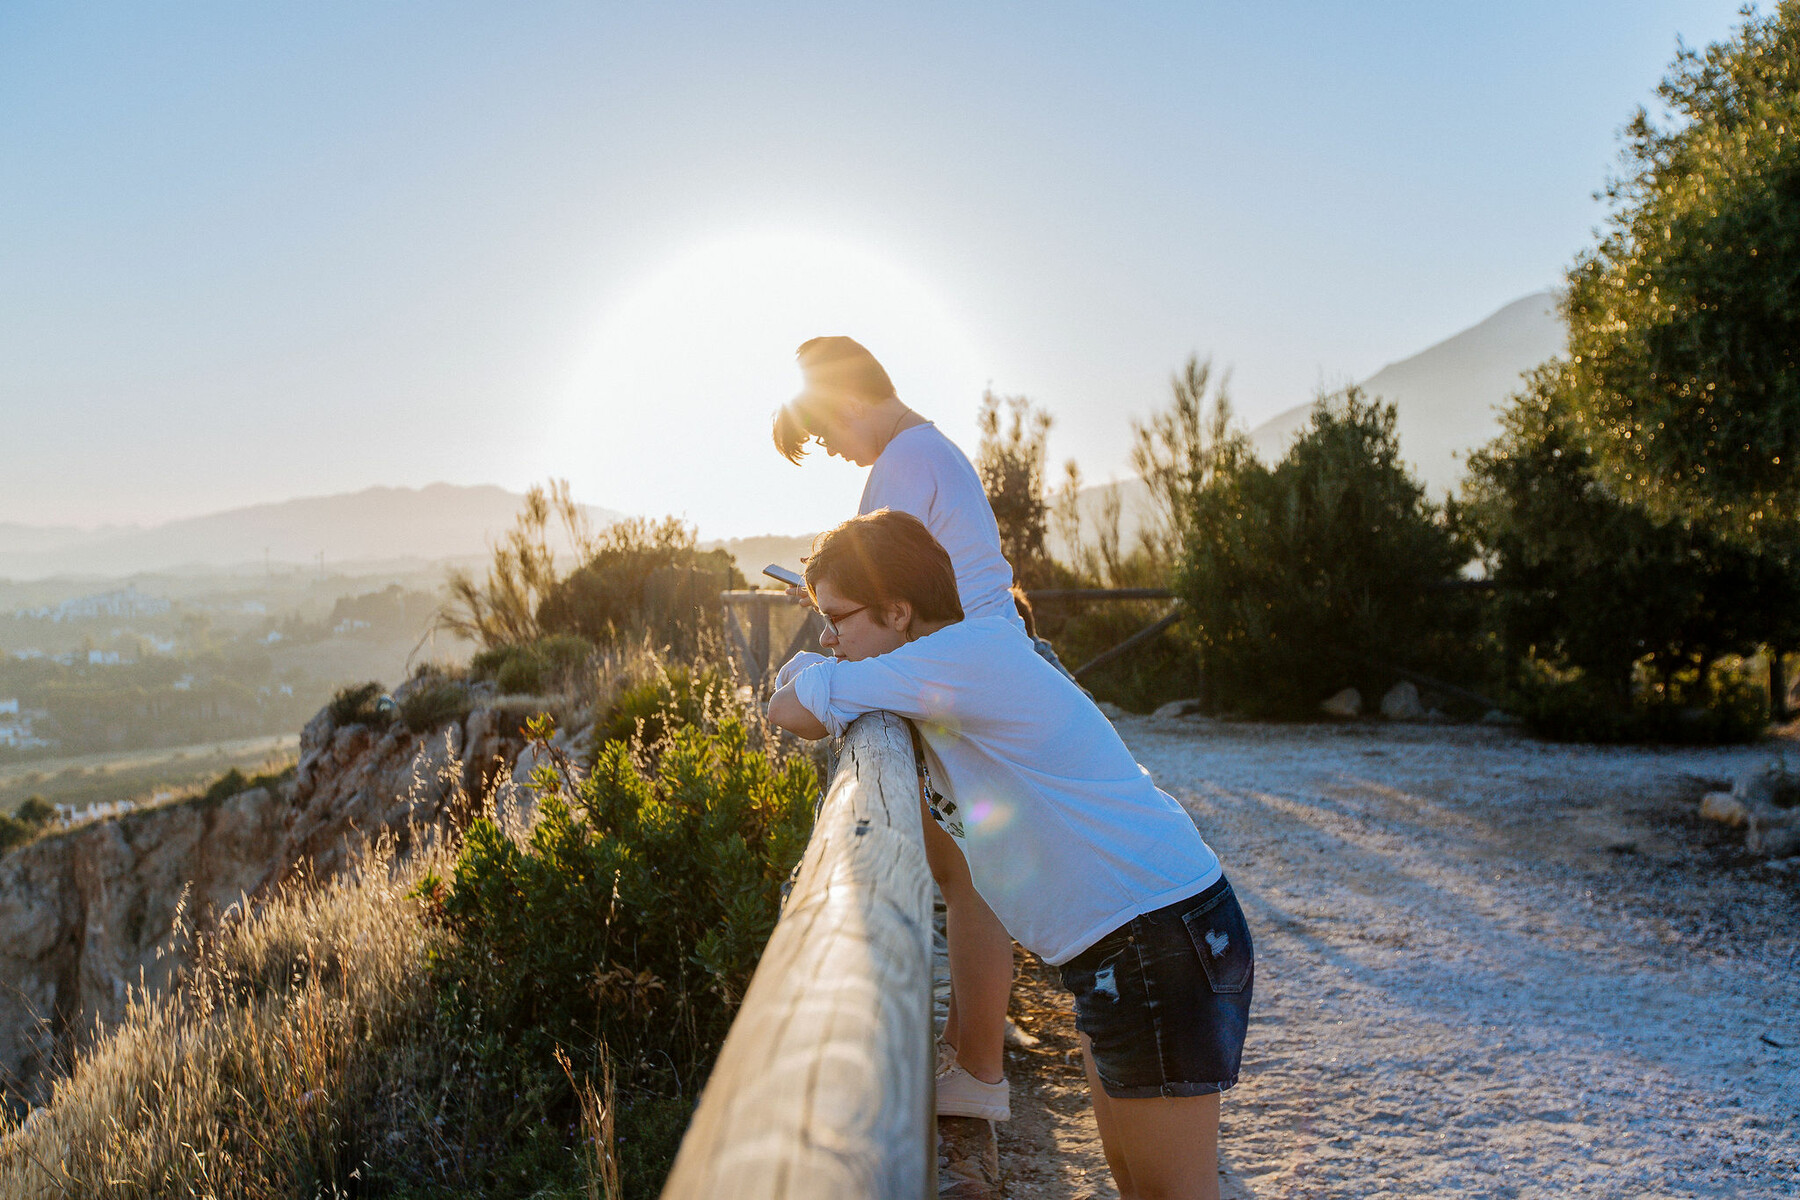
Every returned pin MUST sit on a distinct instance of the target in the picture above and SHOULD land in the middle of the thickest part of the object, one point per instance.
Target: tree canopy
(1684, 321)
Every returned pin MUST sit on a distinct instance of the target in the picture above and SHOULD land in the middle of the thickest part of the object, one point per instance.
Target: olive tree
(1684, 321)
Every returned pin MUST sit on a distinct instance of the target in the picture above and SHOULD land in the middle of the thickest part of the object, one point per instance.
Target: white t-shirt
(1066, 836)
(921, 472)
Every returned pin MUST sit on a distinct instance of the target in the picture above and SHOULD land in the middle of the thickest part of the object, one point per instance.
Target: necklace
(904, 413)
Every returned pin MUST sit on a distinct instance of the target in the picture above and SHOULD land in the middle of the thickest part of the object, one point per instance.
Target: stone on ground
(1402, 703)
(1347, 703)
(1726, 809)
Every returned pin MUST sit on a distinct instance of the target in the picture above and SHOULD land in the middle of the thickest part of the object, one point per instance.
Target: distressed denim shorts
(1165, 998)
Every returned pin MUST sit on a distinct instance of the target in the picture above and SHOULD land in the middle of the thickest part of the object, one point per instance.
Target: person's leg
(1103, 1117)
(981, 960)
(1162, 1148)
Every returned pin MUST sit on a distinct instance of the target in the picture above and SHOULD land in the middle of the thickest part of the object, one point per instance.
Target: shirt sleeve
(837, 691)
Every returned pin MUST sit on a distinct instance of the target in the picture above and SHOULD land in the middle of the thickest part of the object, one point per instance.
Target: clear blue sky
(252, 251)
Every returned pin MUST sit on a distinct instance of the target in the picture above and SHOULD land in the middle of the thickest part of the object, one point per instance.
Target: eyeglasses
(831, 622)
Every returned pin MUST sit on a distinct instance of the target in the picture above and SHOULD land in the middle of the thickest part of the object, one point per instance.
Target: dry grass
(263, 1071)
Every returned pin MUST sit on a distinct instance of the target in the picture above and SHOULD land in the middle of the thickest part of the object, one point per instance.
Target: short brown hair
(884, 557)
(837, 369)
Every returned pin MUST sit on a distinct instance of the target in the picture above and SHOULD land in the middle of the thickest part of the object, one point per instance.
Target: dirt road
(1486, 967)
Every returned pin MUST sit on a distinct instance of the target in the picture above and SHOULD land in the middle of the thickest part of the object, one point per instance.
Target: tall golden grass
(258, 1075)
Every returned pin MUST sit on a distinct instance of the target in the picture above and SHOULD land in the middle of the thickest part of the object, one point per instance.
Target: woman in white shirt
(1087, 863)
(850, 406)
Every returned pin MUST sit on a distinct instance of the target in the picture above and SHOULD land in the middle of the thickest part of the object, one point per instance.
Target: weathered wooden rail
(752, 645)
(824, 1087)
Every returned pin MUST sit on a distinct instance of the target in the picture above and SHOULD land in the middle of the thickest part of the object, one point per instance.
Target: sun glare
(670, 412)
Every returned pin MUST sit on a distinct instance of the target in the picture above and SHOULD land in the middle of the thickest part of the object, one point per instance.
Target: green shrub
(533, 667)
(234, 781)
(360, 704)
(36, 811)
(631, 921)
(1727, 707)
(226, 786)
(676, 696)
(14, 832)
(1321, 571)
(1150, 674)
(433, 703)
(639, 576)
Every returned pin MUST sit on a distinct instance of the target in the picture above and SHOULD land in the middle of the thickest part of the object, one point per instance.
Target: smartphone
(784, 575)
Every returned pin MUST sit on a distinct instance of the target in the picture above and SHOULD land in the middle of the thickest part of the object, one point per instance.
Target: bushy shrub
(535, 667)
(1322, 571)
(226, 786)
(234, 781)
(433, 702)
(677, 695)
(1150, 674)
(641, 577)
(14, 832)
(1728, 706)
(631, 919)
(36, 811)
(360, 704)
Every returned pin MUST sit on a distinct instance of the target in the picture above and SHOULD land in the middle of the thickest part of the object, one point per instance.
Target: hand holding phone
(796, 584)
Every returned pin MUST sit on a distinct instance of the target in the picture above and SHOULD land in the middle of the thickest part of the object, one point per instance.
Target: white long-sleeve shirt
(1066, 836)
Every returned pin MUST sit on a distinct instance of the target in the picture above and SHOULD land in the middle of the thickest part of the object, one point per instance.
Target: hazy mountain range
(390, 526)
(1447, 398)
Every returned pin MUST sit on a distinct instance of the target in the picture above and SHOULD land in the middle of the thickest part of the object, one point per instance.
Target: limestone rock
(1726, 809)
(1176, 708)
(1347, 703)
(1402, 703)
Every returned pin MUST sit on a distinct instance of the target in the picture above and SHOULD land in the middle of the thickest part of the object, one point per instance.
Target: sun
(670, 411)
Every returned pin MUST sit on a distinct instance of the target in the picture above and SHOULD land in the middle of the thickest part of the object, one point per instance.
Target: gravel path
(1490, 967)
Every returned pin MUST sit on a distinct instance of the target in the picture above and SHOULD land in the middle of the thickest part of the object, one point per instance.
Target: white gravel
(1487, 966)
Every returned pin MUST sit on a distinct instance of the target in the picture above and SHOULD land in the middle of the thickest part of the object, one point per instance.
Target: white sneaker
(960, 1094)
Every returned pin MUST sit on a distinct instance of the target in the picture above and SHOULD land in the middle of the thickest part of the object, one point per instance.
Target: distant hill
(378, 524)
(752, 554)
(1447, 397)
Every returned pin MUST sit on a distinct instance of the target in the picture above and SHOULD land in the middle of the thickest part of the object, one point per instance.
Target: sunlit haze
(672, 404)
(254, 252)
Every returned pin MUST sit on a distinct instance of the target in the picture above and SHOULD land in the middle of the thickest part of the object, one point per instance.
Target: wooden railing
(823, 1087)
(752, 645)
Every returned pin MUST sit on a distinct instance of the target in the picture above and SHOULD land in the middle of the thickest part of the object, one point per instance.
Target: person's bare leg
(1164, 1148)
(981, 961)
(1103, 1117)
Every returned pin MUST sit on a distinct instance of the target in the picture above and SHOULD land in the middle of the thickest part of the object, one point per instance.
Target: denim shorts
(1165, 998)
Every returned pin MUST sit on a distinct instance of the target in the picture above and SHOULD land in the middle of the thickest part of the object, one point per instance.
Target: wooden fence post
(824, 1087)
(759, 638)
